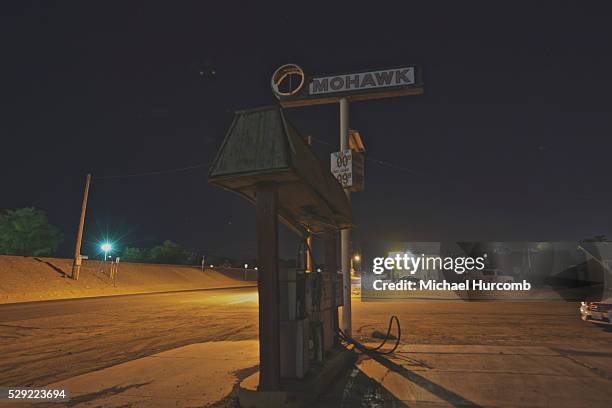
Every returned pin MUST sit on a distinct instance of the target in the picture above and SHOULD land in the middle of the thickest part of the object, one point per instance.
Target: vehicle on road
(597, 312)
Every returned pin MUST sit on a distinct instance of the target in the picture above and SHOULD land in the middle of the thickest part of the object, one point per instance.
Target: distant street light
(356, 258)
(106, 247)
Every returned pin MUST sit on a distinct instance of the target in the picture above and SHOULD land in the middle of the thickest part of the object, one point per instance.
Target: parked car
(597, 312)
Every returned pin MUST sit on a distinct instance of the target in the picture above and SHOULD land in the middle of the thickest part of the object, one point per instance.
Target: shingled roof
(262, 146)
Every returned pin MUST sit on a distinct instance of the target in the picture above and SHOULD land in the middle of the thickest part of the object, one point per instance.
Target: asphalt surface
(42, 342)
(46, 308)
(549, 324)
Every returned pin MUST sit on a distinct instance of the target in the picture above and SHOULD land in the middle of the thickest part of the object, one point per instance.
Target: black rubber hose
(376, 349)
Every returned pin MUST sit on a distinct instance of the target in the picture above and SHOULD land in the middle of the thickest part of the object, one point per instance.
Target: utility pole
(76, 265)
(345, 234)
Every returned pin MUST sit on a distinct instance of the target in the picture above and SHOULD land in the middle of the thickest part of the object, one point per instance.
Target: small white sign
(342, 167)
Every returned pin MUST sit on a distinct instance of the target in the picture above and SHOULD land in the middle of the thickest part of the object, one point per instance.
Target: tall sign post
(345, 234)
(294, 89)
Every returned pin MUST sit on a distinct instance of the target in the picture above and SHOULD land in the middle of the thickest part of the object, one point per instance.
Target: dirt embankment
(24, 279)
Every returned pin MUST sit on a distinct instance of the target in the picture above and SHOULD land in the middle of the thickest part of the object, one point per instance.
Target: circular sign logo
(287, 80)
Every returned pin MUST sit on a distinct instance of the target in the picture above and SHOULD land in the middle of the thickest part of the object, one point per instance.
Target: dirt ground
(45, 342)
(24, 279)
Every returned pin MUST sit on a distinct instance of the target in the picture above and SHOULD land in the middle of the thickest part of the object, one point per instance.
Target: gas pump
(294, 323)
(309, 314)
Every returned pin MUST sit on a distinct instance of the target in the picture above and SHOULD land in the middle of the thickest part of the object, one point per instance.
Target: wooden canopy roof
(262, 146)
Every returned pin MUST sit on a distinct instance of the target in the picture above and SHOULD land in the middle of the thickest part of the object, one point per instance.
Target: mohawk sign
(365, 80)
(362, 85)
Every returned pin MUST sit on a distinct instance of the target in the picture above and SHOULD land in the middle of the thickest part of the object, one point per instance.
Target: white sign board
(342, 167)
(362, 81)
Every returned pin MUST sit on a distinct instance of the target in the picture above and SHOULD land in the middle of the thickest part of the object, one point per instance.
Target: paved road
(42, 342)
(549, 324)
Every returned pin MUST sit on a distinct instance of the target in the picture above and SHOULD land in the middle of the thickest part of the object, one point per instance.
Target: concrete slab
(417, 376)
(438, 375)
(298, 393)
(476, 349)
(598, 361)
(190, 376)
(250, 397)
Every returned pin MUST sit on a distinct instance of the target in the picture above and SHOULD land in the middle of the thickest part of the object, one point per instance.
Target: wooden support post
(268, 286)
(309, 252)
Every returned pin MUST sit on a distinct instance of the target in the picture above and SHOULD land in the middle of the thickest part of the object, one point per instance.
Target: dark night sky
(510, 142)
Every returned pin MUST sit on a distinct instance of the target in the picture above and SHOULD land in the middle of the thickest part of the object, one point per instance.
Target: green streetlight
(106, 247)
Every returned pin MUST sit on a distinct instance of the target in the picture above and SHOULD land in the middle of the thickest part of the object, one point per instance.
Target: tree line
(27, 232)
(168, 253)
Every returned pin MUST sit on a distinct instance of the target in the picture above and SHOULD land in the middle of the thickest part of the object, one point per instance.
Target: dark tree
(134, 254)
(169, 252)
(26, 231)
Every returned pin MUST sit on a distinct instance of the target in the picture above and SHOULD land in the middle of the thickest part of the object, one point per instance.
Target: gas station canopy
(262, 146)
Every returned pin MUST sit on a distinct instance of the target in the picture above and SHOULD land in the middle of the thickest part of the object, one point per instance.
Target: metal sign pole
(345, 234)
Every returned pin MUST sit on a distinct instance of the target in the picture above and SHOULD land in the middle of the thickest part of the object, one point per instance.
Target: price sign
(342, 167)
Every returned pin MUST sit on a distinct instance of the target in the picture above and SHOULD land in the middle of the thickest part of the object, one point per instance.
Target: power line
(391, 165)
(155, 173)
(200, 165)
(373, 159)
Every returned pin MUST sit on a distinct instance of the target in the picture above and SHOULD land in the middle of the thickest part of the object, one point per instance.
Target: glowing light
(246, 266)
(106, 247)
(357, 257)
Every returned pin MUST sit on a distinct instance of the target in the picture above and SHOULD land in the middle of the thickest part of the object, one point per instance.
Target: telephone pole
(76, 265)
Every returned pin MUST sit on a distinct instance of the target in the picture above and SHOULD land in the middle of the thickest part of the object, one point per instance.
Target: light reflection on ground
(226, 298)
